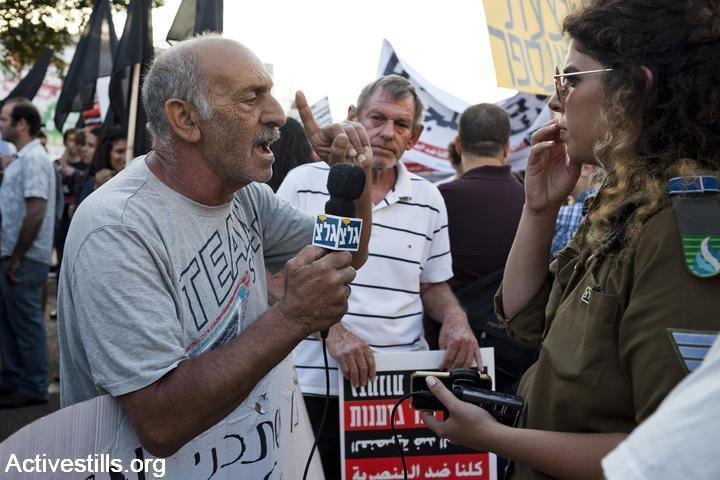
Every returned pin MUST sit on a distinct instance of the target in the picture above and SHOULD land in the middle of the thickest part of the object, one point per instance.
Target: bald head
(189, 71)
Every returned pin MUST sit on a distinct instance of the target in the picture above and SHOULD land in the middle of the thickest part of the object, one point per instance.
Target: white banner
(442, 112)
(429, 157)
(268, 437)
(527, 113)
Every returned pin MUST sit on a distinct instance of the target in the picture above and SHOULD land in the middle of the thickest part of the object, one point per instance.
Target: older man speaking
(162, 300)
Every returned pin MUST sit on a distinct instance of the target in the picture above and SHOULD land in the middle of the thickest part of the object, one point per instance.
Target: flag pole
(132, 120)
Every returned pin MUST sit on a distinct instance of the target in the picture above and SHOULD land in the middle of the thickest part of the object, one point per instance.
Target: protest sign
(268, 437)
(367, 445)
(526, 41)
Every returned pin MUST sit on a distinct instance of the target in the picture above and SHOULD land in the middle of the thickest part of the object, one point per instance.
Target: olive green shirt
(606, 358)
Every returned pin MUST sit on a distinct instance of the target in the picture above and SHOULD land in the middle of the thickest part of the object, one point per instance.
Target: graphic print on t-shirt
(216, 283)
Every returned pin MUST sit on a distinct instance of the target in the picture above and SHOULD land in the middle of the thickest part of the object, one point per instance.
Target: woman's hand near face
(549, 176)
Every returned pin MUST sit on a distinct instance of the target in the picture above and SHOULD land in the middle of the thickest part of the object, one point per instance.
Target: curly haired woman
(638, 96)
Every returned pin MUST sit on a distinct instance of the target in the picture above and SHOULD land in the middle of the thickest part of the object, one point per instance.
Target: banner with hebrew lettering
(527, 42)
(268, 437)
(528, 112)
(429, 157)
(367, 445)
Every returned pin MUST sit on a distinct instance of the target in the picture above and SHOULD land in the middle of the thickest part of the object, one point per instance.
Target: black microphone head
(341, 207)
(346, 180)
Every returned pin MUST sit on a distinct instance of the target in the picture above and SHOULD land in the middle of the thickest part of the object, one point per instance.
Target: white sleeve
(680, 440)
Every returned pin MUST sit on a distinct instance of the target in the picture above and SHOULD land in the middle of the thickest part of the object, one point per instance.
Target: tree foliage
(29, 27)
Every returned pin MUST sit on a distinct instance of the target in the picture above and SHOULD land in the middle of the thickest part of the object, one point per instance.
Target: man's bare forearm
(35, 213)
(439, 301)
(363, 207)
(209, 386)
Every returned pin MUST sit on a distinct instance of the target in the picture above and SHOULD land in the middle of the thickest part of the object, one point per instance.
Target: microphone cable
(394, 433)
(323, 334)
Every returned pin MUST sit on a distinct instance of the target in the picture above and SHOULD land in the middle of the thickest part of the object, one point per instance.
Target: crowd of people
(585, 276)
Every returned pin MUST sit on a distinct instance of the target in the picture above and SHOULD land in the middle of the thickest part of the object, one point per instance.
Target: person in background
(27, 208)
(72, 171)
(485, 203)
(571, 215)
(291, 150)
(92, 137)
(109, 159)
(455, 162)
(408, 261)
(638, 96)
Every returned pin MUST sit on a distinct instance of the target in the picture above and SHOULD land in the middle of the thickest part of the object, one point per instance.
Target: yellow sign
(526, 41)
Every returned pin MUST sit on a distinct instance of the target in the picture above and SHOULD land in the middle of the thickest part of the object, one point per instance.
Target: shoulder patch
(696, 203)
(702, 254)
(691, 346)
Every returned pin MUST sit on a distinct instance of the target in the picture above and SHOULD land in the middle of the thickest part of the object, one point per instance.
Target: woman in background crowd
(638, 96)
(109, 159)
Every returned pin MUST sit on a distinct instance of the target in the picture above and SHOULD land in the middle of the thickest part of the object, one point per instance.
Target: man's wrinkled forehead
(231, 66)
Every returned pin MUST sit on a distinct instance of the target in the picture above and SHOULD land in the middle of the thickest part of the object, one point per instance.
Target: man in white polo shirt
(408, 261)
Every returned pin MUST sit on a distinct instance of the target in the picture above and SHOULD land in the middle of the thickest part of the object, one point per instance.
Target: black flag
(92, 59)
(195, 17)
(30, 84)
(135, 47)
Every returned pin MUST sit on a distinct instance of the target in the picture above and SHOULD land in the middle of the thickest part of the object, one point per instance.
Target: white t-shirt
(681, 440)
(408, 246)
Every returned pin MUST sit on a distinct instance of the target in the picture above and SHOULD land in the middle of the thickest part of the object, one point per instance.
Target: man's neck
(22, 141)
(383, 181)
(474, 161)
(192, 179)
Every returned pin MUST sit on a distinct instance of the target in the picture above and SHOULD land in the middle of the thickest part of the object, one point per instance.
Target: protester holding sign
(162, 298)
(639, 96)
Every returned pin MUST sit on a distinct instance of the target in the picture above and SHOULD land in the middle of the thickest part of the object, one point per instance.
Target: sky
(331, 48)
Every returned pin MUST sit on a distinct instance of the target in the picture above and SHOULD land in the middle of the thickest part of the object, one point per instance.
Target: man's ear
(183, 120)
(352, 113)
(22, 125)
(417, 131)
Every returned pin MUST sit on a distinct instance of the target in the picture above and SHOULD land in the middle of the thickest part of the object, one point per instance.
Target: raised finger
(356, 146)
(339, 149)
(306, 115)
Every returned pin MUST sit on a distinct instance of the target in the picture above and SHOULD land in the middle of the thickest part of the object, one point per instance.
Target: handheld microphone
(337, 229)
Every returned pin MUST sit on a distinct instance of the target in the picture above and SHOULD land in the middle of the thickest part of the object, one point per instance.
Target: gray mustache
(267, 135)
